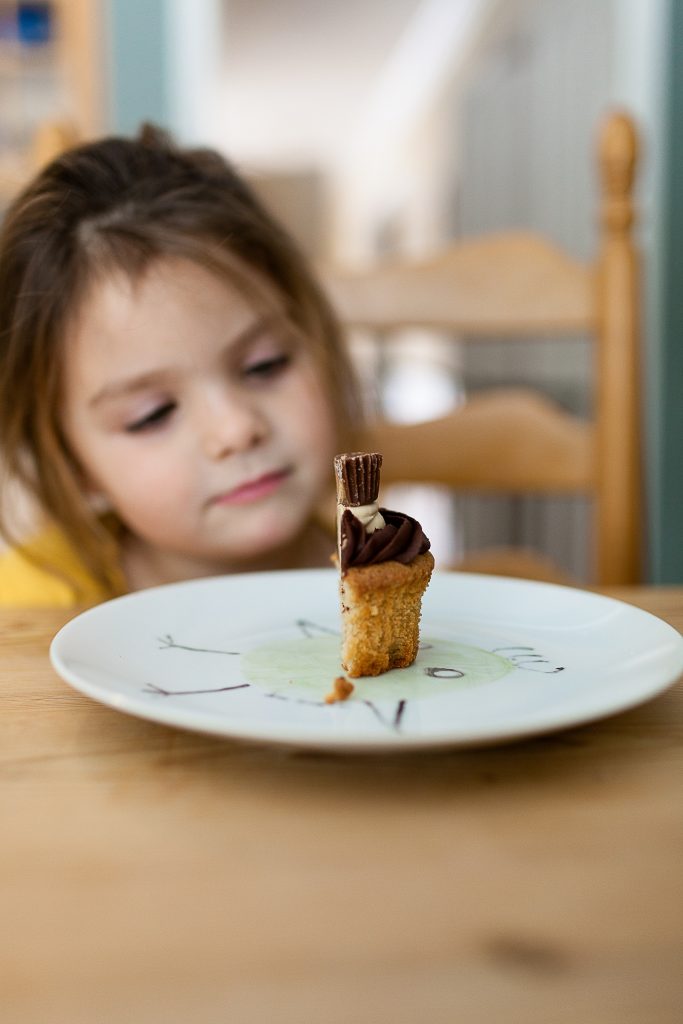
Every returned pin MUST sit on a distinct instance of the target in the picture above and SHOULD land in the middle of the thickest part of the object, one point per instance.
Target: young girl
(173, 385)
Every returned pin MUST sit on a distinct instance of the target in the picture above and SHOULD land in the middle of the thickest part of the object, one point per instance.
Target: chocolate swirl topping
(401, 540)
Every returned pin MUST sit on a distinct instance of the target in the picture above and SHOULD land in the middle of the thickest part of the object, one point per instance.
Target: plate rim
(389, 742)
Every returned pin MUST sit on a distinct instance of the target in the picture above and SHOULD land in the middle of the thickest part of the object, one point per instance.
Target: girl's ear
(98, 502)
(96, 499)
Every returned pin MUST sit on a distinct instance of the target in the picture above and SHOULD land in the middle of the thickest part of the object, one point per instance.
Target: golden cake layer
(381, 614)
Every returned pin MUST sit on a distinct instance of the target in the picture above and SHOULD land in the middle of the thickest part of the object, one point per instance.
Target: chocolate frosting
(401, 540)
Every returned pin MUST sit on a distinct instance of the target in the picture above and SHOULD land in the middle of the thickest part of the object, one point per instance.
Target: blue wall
(138, 64)
(667, 525)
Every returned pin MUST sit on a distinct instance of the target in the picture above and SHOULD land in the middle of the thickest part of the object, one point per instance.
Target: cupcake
(385, 566)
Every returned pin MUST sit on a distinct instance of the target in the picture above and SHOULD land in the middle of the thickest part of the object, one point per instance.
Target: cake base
(381, 607)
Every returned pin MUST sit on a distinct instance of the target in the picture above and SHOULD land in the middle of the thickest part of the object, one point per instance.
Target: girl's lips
(253, 490)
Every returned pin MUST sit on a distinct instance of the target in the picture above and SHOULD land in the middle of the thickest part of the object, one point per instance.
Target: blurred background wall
(393, 125)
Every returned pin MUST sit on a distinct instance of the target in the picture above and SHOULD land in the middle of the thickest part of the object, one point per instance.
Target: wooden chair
(50, 139)
(517, 285)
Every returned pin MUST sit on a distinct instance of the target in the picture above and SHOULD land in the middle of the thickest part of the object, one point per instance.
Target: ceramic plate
(252, 656)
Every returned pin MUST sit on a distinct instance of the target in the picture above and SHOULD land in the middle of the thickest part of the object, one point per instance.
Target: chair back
(517, 441)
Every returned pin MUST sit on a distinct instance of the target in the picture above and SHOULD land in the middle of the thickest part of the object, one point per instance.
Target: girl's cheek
(144, 475)
(317, 412)
(311, 401)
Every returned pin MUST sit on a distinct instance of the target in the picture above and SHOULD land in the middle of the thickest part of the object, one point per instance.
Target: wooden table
(151, 875)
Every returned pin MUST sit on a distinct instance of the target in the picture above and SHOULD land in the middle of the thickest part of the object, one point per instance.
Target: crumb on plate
(341, 690)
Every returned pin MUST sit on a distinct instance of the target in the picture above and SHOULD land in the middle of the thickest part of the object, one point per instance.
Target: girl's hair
(118, 205)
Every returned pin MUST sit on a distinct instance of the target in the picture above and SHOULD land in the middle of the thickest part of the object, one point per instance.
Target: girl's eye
(152, 419)
(263, 369)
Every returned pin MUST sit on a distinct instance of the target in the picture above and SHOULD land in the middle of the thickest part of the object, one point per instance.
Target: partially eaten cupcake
(385, 565)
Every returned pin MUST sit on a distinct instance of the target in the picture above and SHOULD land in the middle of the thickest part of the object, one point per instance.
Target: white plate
(252, 656)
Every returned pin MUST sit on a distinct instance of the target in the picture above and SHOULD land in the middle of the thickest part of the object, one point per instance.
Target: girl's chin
(272, 543)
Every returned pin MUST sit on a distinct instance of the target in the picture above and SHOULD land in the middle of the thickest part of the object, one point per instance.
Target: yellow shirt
(25, 585)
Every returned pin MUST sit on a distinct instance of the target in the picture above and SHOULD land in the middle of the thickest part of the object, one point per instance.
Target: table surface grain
(153, 875)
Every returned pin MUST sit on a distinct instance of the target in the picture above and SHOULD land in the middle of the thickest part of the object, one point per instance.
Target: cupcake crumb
(341, 690)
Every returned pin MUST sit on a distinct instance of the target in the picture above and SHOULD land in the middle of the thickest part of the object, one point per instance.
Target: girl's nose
(231, 426)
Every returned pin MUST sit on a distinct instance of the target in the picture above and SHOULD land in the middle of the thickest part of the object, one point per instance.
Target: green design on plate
(305, 667)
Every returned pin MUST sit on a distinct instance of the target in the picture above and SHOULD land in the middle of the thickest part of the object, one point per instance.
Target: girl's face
(202, 420)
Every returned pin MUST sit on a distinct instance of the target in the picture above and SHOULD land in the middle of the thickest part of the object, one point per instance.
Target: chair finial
(618, 151)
